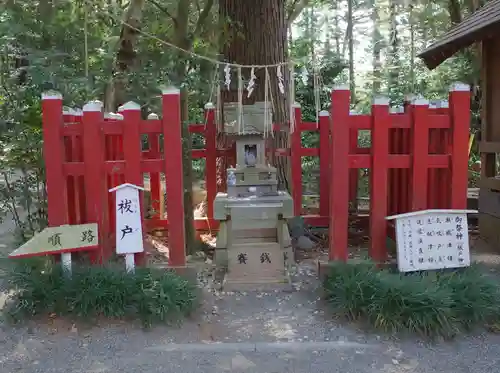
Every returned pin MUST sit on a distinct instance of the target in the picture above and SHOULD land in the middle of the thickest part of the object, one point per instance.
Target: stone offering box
(253, 243)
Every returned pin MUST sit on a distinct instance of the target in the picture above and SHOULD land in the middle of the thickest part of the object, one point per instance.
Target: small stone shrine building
(482, 28)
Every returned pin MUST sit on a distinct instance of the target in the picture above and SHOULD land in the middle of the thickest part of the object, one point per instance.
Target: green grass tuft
(430, 304)
(148, 295)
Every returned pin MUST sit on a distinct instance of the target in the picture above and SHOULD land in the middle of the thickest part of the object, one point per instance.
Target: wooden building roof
(483, 23)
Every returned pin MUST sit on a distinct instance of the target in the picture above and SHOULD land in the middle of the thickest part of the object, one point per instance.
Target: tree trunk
(336, 23)
(393, 55)
(377, 47)
(455, 12)
(259, 36)
(350, 42)
(125, 56)
(180, 38)
(412, 49)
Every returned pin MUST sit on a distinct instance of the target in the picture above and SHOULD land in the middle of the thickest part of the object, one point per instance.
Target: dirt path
(272, 331)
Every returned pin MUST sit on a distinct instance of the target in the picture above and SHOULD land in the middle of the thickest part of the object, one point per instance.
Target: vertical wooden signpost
(129, 240)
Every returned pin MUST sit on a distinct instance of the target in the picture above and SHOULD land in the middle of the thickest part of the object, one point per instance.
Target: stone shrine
(253, 243)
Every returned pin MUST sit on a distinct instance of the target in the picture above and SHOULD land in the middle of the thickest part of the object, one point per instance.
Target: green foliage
(430, 304)
(148, 295)
(44, 41)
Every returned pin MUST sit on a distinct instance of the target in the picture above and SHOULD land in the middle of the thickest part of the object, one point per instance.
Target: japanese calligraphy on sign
(432, 239)
(65, 238)
(129, 238)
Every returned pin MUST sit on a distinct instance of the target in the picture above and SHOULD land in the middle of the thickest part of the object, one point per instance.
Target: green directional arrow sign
(58, 240)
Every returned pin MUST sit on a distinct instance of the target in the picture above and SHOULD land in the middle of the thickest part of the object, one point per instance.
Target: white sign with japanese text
(432, 239)
(129, 238)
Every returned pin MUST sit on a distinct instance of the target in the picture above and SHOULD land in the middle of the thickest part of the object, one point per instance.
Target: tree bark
(125, 56)
(455, 12)
(350, 42)
(183, 38)
(336, 22)
(377, 47)
(412, 48)
(258, 36)
(393, 53)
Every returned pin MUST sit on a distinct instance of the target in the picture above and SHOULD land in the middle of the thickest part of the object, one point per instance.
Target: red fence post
(444, 174)
(172, 145)
(324, 163)
(379, 178)
(420, 153)
(460, 122)
(296, 160)
(52, 119)
(132, 153)
(353, 172)
(154, 177)
(211, 158)
(95, 177)
(339, 176)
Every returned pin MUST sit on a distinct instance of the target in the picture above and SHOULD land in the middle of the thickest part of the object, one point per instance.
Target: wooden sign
(129, 239)
(432, 239)
(59, 240)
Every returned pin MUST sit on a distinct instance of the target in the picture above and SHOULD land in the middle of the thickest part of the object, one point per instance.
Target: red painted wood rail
(417, 160)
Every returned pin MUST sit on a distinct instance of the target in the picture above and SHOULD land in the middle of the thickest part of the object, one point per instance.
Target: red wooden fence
(418, 160)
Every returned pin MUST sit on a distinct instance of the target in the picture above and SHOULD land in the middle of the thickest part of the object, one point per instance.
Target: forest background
(122, 50)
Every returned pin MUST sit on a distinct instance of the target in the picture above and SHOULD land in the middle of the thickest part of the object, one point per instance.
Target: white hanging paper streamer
(241, 125)
(251, 83)
(281, 84)
(227, 71)
(220, 119)
(266, 100)
(291, 99)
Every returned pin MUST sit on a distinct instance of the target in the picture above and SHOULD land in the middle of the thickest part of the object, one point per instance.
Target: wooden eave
(483, 23)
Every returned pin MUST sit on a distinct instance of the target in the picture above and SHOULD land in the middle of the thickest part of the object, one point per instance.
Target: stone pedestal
(253, 243)
(255, 263)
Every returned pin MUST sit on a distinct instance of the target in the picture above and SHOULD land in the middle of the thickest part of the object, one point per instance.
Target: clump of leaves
(149, 295)
(430, 304)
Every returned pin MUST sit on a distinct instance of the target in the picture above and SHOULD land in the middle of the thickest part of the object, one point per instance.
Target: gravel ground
(272, 331)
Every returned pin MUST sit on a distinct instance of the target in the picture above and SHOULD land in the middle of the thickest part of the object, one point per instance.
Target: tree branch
(203, 17)
(296, 9)
(164, 10)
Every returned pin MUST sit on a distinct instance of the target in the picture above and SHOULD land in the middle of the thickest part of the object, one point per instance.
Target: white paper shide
(129, 238)
(432, 239)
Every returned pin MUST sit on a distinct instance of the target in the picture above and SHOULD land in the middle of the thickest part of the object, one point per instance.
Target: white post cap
(67, 110)
(341, 87)
(397, 109)
(443, 104)
(51, 95)
(209, 106)
(92, 106)
(324, 113)
(153, 116)
(129, 106)
(459, 87)
(170, 90)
